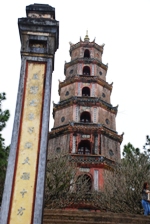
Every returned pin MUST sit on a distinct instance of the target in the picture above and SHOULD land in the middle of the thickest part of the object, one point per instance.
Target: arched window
(86, 53)
(84, 147)
(86, 91)
(84, 183)
(58, 150)
(86, 70)
(85, 117)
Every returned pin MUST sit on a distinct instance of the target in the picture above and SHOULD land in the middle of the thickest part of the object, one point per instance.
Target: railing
(90, 159)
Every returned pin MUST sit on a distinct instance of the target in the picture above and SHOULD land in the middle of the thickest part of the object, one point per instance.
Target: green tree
(4, 151)
(130, 151)
(146, 147)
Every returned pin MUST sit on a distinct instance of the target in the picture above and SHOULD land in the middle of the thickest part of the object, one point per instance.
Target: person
(145, 199)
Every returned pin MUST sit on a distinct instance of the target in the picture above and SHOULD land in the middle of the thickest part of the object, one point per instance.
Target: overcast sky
(124, 27)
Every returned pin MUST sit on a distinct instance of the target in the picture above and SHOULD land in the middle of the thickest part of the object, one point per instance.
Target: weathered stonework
(76, 66)
(109, 144)
(63, 116)
(75, 89)
(62, 142)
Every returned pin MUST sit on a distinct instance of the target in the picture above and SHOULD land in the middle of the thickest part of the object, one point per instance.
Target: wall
(108, 144)
(103, 115)
(66, 113)
(61, 141)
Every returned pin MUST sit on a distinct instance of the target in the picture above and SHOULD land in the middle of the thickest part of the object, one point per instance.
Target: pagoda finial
(86, 38)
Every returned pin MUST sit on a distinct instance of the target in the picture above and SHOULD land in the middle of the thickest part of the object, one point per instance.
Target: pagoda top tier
(86, 59)
(86, 44)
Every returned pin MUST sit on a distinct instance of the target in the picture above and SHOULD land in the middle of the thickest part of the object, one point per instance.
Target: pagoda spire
(86, 38)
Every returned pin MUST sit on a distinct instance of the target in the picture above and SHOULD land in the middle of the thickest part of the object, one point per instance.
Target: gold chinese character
(20, 211)
(31, 116)
(23, 192)
(25, 176)
(26, 161)
(28, 145)
(35, 76)
(30, 130)
(34, 89)
(33, 103)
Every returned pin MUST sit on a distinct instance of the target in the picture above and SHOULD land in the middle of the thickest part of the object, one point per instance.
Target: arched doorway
(84, 183)
(84, 147)
(86, 91)
(86, 53)
(86, 70)
(85, 117)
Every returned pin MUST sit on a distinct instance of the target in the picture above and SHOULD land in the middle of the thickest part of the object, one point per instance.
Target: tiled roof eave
(83, 78)
(85, 128)
(86, 61)
(82, 101)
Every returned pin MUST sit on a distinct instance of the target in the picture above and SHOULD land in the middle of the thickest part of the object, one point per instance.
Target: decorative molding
(85, 170)
(85, 128)
(96, 180)
(87, 61)
(94, 115)
(88, 79)
(82, 101)
(79, 89)
(92, 69)
(93, 90)
(74, 144)
(91, 159)
(85, 44)
(96, 145)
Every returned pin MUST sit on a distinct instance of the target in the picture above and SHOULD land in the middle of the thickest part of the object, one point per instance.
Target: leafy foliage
(147, 145)
(130, 151)
(4, 115)
(4, 151)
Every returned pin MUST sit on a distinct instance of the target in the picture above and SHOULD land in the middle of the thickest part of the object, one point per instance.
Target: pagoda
(84, 118)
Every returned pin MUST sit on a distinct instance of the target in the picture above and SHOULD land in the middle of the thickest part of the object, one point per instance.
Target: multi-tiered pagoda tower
(84, 119)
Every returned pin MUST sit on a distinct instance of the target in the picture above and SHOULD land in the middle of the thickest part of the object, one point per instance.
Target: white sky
(124, 27)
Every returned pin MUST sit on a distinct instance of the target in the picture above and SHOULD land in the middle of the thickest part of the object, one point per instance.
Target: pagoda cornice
(85, 61)
(86, 79)
(84, 101)
(86, 44)
(97, 161)
(86, 128)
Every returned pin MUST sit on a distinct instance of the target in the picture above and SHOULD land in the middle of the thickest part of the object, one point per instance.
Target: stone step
(47, 221)
(86, 212)
(73, 216)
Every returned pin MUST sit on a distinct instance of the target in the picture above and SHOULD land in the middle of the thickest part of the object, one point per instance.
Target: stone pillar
(24, 185)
